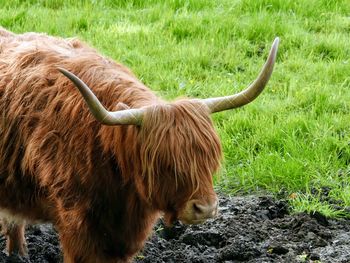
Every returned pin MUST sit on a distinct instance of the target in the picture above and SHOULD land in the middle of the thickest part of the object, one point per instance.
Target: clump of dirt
(248, 229)
(252, 229)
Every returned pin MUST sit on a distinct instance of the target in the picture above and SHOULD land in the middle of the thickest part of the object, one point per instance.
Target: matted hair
(179, 137)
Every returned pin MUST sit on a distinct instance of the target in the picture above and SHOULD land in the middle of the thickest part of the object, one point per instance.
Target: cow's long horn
(250, 93)
(130, 116)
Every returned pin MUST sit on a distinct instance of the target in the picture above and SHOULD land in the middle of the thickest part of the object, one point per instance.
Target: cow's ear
(122, 106)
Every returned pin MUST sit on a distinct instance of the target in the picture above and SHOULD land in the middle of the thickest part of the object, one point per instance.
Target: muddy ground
(249, 229)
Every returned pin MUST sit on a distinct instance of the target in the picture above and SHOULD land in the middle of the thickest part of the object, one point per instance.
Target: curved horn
(130, 116)
(250, 93)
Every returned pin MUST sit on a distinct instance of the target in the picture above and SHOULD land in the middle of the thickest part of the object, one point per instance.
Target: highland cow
(103, 162)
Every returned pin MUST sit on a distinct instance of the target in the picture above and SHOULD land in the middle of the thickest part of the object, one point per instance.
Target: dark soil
(248, 229)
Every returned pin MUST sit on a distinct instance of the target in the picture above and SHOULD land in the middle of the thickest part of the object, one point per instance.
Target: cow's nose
(204, 211)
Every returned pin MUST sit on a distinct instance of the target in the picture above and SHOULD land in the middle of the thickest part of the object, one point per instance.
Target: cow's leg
(15, 240)
(79, 249)
(89, 256)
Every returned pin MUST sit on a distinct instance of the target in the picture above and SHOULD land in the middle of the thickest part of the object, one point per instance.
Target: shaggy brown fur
(102, 187)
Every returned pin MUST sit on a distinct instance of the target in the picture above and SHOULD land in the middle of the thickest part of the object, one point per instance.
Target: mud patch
(248, 229)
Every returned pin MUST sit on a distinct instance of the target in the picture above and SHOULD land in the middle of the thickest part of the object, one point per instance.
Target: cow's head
(179, 148)
(180, 152)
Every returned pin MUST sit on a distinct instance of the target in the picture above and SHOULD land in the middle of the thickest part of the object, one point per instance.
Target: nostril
(197, 209)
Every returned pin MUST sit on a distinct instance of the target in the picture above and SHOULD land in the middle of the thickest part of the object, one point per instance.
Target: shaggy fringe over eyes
(179, 140)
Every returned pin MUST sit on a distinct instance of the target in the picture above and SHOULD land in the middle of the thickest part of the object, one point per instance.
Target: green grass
(292, 140)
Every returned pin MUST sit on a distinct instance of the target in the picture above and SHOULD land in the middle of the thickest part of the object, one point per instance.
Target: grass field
(295, 139)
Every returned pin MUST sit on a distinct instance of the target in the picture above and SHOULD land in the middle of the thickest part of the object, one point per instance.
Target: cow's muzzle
(196, 211)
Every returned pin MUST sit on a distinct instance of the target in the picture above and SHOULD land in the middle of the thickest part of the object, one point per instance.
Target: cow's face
(180, 152)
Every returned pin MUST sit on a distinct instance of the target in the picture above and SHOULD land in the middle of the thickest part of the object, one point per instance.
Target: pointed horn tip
(273, 50)
(62, 70)
(276, 41)
(275, 44)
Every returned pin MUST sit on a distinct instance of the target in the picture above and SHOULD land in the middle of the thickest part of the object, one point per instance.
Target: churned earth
(248, 229)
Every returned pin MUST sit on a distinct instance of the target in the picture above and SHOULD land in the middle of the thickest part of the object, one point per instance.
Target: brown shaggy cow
(101, 177)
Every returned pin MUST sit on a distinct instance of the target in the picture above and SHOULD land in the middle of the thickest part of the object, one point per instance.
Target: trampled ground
(294, 137)
(249, 229)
